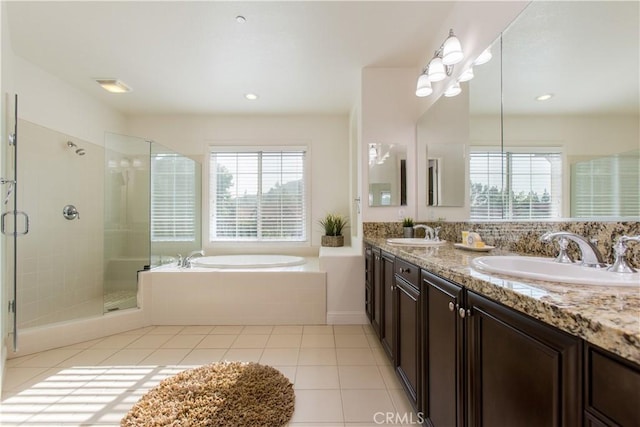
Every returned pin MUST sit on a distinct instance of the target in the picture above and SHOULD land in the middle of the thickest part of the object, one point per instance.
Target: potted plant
(333, 225)
(407, 227)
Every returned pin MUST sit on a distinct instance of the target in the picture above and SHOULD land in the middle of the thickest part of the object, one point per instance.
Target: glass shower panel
(126, 218)
(175, 205)
(59, 265)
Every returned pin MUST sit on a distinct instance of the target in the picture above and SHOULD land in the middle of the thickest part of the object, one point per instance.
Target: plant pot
(407, 232)
(332, 241)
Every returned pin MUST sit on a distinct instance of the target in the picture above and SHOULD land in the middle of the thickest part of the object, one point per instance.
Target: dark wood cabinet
(388, 304)
(368, 286)
(612, 389)
(409, 331)
(465, 360)
(443, 380)
(521, 372)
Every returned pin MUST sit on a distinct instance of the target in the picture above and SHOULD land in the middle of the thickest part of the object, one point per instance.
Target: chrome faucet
(429, 232)
(591, 256)
(620, 265)
(186, 262)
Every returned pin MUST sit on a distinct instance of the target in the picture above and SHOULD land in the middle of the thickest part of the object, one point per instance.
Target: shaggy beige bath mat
(230, 394)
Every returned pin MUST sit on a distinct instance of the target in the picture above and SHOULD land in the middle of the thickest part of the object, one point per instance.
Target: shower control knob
(70, 212)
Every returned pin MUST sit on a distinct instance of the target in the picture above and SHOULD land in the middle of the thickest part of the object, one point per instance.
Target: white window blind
(173, 198)
(606, 187)
(515, 185)
(257, 195)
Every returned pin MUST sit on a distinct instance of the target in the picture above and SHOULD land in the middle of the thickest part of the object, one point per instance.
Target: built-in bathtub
(226, 293)
(248, 261)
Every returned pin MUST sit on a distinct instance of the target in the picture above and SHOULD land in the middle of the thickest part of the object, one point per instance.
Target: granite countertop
(608, 317)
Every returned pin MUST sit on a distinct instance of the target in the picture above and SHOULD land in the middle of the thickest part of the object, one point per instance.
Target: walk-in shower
(91, 223)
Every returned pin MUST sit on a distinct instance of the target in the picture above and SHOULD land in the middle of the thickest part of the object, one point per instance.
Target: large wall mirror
(387, 174)
(570, 115)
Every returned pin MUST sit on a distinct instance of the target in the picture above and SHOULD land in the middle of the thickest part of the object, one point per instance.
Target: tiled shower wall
(59, 261)
(524, 237)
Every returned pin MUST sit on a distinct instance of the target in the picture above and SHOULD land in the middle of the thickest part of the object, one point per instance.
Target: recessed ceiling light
(113, 85)
(251, 96)
(241, 19)
(544, 97)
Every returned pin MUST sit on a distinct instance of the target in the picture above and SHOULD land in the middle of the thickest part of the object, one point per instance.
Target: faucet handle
(620, 264)
(563, 256)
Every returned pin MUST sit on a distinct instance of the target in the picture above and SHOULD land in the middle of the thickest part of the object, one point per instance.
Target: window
(173, 198)
(515, 185)
(606, 187)
(257, 195)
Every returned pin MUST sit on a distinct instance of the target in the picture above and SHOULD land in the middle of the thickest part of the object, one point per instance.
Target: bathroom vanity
(477, 350)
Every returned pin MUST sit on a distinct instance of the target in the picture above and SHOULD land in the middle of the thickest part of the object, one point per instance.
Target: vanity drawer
(407, 271)
(612, 388)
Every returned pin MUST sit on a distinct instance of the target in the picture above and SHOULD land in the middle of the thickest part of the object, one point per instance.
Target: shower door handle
(15, 214)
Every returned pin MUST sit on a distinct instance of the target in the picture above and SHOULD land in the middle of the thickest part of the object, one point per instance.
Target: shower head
(79, 151)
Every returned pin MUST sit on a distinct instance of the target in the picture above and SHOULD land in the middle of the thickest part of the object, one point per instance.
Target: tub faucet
(428, 231)
(620, 265)
(186, 262)
(591, 256)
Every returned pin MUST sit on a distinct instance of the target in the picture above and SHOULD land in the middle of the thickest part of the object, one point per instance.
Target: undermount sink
(414, 241)
(549, 270)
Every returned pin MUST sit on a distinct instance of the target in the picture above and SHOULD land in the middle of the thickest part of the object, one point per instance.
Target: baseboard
(347, 318)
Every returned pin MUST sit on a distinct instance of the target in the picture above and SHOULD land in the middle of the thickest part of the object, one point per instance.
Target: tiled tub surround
(524, 237)
(605, 316)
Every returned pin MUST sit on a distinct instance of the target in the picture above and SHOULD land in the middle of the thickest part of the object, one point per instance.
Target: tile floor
(340, 373)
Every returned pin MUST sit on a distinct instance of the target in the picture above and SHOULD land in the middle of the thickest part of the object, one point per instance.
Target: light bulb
(436, 70)
(467, 75)
(484, 57)
(451, 50)
(424, 86)
(453, 90)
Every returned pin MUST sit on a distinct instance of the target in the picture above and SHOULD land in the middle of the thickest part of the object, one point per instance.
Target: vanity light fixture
(466, 75)
(251, 96)
(424, 85)
(441, 65)
(451, 50)
(453, 90)
(113, 85)
(484, 57)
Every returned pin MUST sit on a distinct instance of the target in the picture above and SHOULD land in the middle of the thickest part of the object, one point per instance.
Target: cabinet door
(409, 340)
(388, 326)
(368, 282)
(522, 372)
(443, 379)
(376, 289)
(612, 389)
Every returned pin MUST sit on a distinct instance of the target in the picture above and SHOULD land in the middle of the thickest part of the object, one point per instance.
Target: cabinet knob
(451, 306)
(462, 312)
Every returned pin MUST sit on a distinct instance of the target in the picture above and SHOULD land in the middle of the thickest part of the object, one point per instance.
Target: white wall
(389, 113)
(447, 122)
(327, 137)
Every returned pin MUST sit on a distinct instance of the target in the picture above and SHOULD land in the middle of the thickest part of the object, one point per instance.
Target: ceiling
(195, 58)
(585, 53)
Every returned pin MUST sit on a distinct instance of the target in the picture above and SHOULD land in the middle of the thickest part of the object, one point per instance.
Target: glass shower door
(11, 216)
(126, 218)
